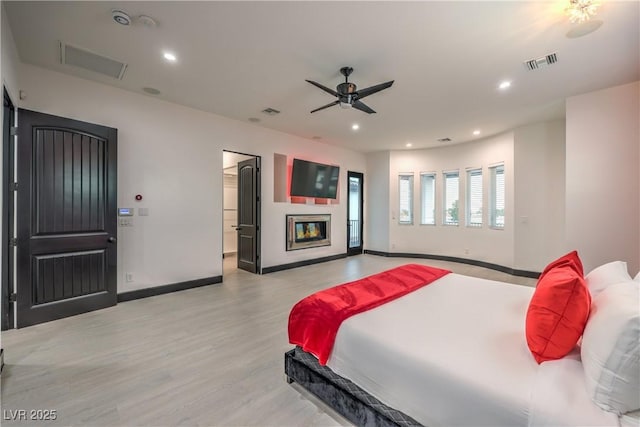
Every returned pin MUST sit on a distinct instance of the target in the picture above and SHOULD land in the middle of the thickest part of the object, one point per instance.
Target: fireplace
(308, 231)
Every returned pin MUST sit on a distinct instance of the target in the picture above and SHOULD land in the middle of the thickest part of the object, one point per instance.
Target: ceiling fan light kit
(347, 93)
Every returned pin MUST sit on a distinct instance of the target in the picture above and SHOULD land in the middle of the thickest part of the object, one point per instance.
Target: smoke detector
(147, 21)
(121, 17)
(270, 111)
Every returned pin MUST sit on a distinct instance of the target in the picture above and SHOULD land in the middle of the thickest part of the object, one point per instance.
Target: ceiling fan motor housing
(346, 88)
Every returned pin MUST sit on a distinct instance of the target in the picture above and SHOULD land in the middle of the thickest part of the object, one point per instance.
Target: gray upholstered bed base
(342, 395)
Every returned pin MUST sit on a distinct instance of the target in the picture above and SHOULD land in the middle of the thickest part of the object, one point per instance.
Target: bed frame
(339, 393)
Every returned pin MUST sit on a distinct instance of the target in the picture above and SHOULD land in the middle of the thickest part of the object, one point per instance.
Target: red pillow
(571, 259)
(557, 313)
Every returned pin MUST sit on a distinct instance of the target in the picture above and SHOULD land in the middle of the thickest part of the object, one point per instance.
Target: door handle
(238, 228)
(111, 240)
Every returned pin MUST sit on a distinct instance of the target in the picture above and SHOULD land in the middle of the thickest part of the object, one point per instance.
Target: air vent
(72, 55)
(270, 111)
(444, 140)
(534, 64)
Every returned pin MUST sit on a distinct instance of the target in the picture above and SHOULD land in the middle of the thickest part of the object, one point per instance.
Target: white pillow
(606, 275)
(611, 348)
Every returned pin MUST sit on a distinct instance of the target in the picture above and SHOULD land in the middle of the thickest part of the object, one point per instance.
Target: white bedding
(480, 372)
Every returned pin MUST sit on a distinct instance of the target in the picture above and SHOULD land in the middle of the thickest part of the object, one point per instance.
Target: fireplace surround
(308, 231)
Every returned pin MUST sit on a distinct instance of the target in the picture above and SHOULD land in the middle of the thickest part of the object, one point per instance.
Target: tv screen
(309, 179)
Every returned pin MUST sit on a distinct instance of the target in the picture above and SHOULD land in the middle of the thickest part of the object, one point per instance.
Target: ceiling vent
(72, 55)
(534, 64)
(444, 140)
(270, 111)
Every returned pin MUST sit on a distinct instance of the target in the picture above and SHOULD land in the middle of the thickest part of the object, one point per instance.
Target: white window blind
(406, 199)
(428, 187)
(451, 195)
(474, 198)
(497, 197)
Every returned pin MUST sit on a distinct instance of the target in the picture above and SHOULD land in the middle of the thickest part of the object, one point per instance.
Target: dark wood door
(249, 215)
(66, 253)
(8, 157)
(355, 224)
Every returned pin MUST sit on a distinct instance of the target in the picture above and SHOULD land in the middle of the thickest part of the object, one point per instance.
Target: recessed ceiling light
(408, 144)
(504, 85)
(355, 126)
(151, 90)
(169, 56)
(476, 132)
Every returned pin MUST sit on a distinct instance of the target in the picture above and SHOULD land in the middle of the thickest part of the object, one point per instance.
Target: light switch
(125, 222)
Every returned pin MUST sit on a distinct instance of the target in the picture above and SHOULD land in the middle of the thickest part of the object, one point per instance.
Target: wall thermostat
(125, 211)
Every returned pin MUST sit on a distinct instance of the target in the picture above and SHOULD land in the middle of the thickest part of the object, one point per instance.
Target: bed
(452, 352)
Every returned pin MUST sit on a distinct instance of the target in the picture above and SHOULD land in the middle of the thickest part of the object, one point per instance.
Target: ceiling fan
(347, 93)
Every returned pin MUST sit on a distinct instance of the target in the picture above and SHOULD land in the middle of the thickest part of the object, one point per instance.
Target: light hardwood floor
(202, 357)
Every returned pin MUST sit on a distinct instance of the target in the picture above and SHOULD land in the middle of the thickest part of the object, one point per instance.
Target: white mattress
(451, 353)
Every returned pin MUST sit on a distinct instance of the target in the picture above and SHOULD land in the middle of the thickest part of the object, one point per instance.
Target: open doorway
(241, 212)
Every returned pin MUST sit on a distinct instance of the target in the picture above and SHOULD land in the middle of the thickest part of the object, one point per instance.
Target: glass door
(354, 213)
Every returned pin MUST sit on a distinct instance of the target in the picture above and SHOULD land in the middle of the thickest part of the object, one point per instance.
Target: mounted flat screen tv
(309, 179)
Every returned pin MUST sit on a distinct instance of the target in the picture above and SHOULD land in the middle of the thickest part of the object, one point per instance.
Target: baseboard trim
(503, 269)
(306, 262)
(166, 289)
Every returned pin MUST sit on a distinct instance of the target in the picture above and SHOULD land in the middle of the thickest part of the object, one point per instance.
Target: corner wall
(173, 156)
(603, 193)
(539, 220)
(376, 202)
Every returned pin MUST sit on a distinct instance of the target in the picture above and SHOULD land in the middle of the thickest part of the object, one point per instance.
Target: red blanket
(314, 321)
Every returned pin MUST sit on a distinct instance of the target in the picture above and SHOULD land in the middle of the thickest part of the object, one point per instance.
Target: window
(497, 197)
(474, 198)
(406, 199)
(428, 192)
(451, 193)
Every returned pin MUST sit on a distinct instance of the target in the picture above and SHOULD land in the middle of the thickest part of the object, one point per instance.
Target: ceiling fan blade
(326, 106)
(359, 105)
(324, 88)
(373, 89)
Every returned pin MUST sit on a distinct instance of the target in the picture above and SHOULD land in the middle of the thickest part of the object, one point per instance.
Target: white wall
(539, 164)
(172, 155)
(602, 192)
(10, 59)
(485, 244)
(376, 202)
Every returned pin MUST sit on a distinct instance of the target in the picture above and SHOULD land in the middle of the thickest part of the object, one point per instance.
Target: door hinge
(13, 241)
(257, 198)
(257, 228)
(13, 131)
(13, 297)
(13, 186)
